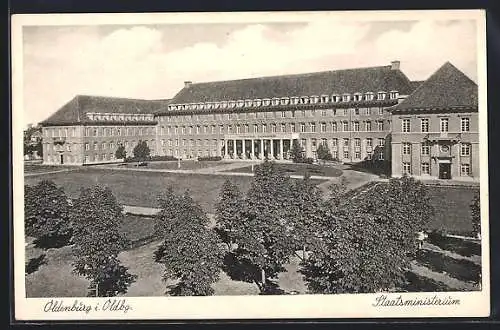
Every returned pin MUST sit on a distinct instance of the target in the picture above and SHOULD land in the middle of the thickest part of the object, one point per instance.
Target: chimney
(187, 84)
(395, 65)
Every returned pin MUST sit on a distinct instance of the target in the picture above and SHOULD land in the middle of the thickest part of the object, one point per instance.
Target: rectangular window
(380, 125)
(444, 125)
(368, 126)
(465, 124)
(465, 149)
(264, 128)
(357, 155)
(345, 126)
(302, 128)
(406, 168)
(283, 128)
(346, 153)
(356, 111)
(334, 143)
(334, 126)
(323, 142)
(356, 126)
(381, 142)
(380, 156)
(406, 148)
(246, 128)
(95, 146)
(426, 149)
(221, 129)
(405, 126)
(381, 111)
(346, 144)
(465, 170)
(313, 127)
(369, 142)
(357, 143)
(238, 129)
(424, 125)
(273, 128)
(283, 114)
(292, 127)
(323, 113)
(255, 128)
(87, 147)
(335, 154)
(426, 169)
(229, 129)
(323, 127)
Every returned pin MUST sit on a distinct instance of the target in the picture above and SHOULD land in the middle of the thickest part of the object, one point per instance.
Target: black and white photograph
(250, 165)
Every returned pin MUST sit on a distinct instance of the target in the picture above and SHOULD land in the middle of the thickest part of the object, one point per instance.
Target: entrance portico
(255, 146)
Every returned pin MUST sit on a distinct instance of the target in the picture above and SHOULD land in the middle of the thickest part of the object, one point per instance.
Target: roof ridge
(291, 75)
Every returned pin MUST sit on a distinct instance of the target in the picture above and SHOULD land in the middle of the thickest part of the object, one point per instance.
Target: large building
(353, 112)
(435, 129)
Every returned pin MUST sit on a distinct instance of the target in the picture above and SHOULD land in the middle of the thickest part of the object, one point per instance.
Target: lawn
(452, 209)
(142, 188)
(36, 168)
(299, 169)
(185, 165)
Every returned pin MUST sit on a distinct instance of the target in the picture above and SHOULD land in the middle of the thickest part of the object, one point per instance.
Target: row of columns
(262, 143)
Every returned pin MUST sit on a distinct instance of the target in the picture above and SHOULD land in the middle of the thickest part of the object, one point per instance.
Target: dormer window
(216, 105)
(257, 102)
(369, 96)
(335, 98)
(248, 103)
(346, 97)
(202, 106)
(266, 102)
(314, 99)
(223, 104)
(358, 97)
(275, 101)
(231, 104)
(171, 107)
(393, 95)
(304, 100)
(284, 101)
(240, 103)
(324, 98)
(381, 96)
(295, 100)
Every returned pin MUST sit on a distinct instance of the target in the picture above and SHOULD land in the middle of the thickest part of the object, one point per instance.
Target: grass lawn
(452, 209)
(463, 270)
(36, 168)
(142, 188)
(185, 165)
(299, 169)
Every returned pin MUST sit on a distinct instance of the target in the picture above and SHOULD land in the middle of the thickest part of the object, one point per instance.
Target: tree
(97, 218)
(141, 150)
(368, 240)
(265, 241)
(120, 152)
(475, 208)
(323, 153)
(228, 212)
(46, 214)
(304, 212)
(189, 250)
(297, 152)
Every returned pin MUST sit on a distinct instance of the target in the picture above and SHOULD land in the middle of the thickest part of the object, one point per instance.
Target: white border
(473, 304)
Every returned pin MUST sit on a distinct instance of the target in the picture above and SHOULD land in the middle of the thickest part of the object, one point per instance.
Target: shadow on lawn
(242, 270)
(463, 270)
(417, 283)
(34, 263)
(453, 244)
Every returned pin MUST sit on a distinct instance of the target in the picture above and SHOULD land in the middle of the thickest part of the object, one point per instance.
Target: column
(281, 149)
(272, 149)
(261, 153)
(234, 149)
(252, 155)
(244, 155)
(226, 156)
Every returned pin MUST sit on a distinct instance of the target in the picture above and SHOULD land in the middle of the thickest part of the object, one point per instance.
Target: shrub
(162, 158)
(210, 158)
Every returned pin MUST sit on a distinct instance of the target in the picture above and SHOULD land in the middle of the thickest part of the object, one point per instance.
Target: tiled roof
(75, 110)
(416, 83)
(360, 80)
(446, 89)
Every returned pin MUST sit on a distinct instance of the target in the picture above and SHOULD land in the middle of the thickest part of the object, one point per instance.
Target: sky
(153, 61)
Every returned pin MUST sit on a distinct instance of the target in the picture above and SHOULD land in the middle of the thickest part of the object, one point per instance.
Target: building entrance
(445, 171)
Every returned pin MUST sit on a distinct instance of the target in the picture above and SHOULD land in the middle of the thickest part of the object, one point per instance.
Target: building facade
(435, 132)
(89, 129)
(360, 114)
